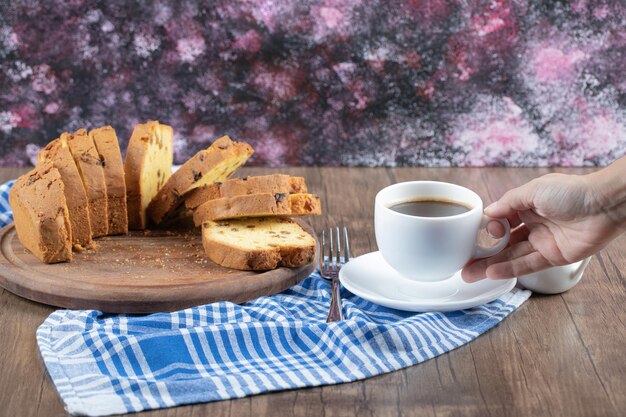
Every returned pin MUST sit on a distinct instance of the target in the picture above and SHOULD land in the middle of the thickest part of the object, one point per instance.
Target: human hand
(559, 219)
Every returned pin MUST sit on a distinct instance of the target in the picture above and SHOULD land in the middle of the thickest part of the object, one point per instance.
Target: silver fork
(330, 264)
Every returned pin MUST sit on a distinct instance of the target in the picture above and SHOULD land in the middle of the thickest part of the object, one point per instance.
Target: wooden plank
(23, 382)
(11, 173)
(596, 307)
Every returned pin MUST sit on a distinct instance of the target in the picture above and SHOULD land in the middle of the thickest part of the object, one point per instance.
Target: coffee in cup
(430, 207)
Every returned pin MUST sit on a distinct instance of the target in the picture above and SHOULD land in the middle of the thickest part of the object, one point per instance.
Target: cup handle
(482, 252)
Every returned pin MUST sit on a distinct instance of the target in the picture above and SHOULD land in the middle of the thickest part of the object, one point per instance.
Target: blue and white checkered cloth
(105, 364)
(6, 214)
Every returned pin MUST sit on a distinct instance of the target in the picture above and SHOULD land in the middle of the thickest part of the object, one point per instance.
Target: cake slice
(257, 244)
(41, 215)
(200, 195)
(58, 154)
(272, 184)
(147, 167)
(108, 149)
(257, 205)
(90, 167)
(214, 164)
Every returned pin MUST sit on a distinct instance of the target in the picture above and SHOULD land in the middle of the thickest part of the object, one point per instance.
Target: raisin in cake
(264, 184)
(257, 244)
(58, 153)
(108, 148)
(211, 165)
(90, 167)
(257, 205)
(41, 215)
(147, 167)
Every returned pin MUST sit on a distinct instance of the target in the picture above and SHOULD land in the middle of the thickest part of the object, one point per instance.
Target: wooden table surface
(562, 355)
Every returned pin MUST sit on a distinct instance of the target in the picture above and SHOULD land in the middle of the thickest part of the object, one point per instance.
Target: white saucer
(371, 278)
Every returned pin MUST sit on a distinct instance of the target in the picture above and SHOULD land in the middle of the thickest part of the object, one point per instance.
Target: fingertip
(495, 229)
(499, 210)
(491, 209)
(472, 273)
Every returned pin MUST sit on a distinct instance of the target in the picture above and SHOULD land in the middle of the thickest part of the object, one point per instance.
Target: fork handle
(335, 313)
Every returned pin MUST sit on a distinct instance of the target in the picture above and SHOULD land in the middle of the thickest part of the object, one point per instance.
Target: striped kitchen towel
(105, 364)
(6, 214)
(108, 364)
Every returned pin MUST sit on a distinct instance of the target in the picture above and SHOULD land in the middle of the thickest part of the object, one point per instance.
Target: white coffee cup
(430, 249)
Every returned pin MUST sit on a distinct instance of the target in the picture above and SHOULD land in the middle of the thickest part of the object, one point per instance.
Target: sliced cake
(200, 195)
(90, 167)
(268, 184)
(108, 148)
(147, 167)
(257, 205)
(257, 244)
(214, 164)
(273, 184)
(41, 215)
(58, 154)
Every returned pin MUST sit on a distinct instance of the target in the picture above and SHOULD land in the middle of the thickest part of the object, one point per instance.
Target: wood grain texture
(558, 355)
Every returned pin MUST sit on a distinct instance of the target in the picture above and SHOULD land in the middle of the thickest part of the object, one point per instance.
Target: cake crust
(40, 214)
(90, 167)
(108, 148)
(200, 195)
(257, 205)
(58, 154)
(264, 184)
(273, 184)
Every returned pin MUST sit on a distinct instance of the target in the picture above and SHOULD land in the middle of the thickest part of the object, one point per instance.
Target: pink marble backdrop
(330, 82)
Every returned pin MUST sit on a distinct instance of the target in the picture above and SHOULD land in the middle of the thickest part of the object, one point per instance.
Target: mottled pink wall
(335, 82)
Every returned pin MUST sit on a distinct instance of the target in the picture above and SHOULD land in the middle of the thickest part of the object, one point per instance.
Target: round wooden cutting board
(137, 273)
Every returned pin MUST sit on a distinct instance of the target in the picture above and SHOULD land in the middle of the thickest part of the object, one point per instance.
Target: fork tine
(323, 248)
(331, 263)
(346, 245)
(338, 248)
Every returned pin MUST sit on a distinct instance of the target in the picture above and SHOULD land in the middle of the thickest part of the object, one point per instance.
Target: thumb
(513, 201)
